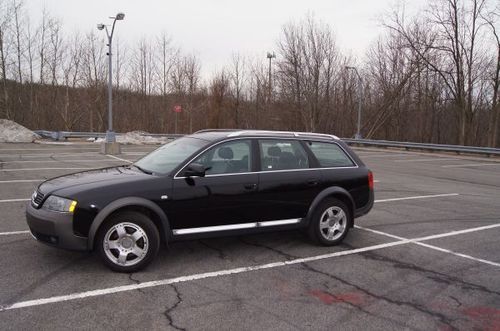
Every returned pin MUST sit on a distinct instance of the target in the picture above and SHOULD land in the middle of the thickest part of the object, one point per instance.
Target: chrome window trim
(266, 171)
(240, 226)
(271, 171)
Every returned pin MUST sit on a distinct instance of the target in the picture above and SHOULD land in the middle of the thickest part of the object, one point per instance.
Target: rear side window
(330, 155)
(282, 155)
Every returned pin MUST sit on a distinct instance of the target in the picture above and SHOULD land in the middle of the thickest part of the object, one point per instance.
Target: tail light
(370, 180)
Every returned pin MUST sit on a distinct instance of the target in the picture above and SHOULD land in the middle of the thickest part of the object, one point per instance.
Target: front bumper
(53, 228)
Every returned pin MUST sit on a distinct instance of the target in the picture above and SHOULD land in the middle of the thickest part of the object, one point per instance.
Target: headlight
(56, 203)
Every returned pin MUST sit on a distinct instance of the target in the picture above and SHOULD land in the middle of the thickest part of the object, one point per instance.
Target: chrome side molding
(239, 226)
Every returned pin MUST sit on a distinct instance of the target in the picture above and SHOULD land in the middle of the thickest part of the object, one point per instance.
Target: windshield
(169, 156)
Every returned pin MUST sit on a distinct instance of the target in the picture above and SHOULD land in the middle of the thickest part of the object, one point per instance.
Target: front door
(225, 196)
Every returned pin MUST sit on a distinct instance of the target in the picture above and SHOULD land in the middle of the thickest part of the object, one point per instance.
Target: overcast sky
(213, 29)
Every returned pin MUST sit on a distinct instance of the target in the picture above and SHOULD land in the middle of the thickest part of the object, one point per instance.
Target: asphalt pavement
(425, 258)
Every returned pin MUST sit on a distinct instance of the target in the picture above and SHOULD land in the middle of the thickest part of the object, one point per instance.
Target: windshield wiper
(142, 169)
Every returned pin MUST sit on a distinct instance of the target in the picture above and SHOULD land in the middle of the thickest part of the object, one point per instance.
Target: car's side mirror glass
(195, 170)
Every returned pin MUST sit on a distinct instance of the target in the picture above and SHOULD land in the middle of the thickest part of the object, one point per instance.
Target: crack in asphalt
(167, 313)
(459, 304)
(232, 298)
(45, 279)
(442, 318)
(130, 276)
(219, 251)
(287, 255)
(435, 275)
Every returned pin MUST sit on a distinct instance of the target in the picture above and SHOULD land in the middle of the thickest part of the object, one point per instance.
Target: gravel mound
(11, 132)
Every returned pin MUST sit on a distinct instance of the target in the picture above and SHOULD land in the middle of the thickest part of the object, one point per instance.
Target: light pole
(360, 96)
(110, 134)
(270, 56)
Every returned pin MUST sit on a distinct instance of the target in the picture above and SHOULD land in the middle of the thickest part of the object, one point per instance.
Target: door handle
(250, 187)
(312, 182)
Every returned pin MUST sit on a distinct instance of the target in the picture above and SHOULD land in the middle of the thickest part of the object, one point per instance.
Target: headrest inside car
(225, 153)
(274, 151)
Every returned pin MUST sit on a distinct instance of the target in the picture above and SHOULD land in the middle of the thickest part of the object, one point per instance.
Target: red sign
(177, 109)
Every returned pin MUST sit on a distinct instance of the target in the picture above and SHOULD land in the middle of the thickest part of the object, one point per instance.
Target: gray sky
(213, 29)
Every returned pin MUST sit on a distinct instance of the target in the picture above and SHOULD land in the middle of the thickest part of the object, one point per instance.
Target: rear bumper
(366, 208)
(54, 229)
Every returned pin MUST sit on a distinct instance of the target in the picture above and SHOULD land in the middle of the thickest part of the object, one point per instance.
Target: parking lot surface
(425, 258)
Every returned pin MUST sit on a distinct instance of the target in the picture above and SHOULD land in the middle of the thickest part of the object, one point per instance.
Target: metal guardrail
(63, 135)
(422, 146)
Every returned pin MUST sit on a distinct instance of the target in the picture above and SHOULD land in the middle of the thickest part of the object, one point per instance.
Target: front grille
(37, 199)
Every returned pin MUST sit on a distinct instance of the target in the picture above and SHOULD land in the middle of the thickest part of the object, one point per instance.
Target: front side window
(227, 158)
(282, 155)
(169, 156)
(329, 155)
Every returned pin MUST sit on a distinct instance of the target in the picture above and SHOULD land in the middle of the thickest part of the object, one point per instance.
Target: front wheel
(128, 242)
(330, 222)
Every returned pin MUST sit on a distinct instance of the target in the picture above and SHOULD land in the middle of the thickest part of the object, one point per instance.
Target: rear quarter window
(330, 155)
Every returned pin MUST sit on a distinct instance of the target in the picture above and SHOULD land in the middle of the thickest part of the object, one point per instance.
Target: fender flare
(333, 190)
(124, 202)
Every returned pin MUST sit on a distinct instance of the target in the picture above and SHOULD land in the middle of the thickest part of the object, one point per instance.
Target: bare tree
(238, 77)
(310, 60)
(453, 40)
(5, 15)
(493, 19)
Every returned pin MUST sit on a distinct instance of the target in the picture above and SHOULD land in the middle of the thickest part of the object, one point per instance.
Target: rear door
(340, 169)
(226, 195)
(287, 185)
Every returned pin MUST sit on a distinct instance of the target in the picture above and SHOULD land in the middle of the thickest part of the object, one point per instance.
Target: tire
(330, 222)
(128, 241)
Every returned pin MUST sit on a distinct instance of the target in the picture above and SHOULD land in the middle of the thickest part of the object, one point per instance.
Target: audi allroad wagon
(212, 182)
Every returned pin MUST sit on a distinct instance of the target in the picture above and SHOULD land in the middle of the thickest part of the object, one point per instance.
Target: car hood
(104, 175)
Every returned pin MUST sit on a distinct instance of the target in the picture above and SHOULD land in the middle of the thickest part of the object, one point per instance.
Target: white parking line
(428, 160)
(13, 232)
(470, 165)
(135, 154)
(14, 200)
(51, 161)
(48, 149)
(35, 169)
(119, 159)
(382, 155)
(213, 274)
(49, 155)
(419, 197)
(20, 181)
(417, 241)
(182, 279)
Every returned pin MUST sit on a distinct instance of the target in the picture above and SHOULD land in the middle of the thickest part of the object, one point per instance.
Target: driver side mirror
(195, 170)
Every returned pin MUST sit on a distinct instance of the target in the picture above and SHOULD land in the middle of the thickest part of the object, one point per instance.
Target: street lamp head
(100, 26)
(271, 55)
(120, 16)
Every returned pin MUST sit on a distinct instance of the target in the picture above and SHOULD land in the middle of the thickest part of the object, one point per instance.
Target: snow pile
(11, 132)
(137, 138)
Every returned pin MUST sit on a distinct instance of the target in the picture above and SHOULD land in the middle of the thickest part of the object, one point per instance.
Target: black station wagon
(213, 182)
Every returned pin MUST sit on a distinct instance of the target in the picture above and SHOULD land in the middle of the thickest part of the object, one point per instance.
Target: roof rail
(215, 130)
(292, 133)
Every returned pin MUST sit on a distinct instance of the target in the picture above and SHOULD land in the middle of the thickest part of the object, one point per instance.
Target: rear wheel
(330, 222)
(128, 241)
